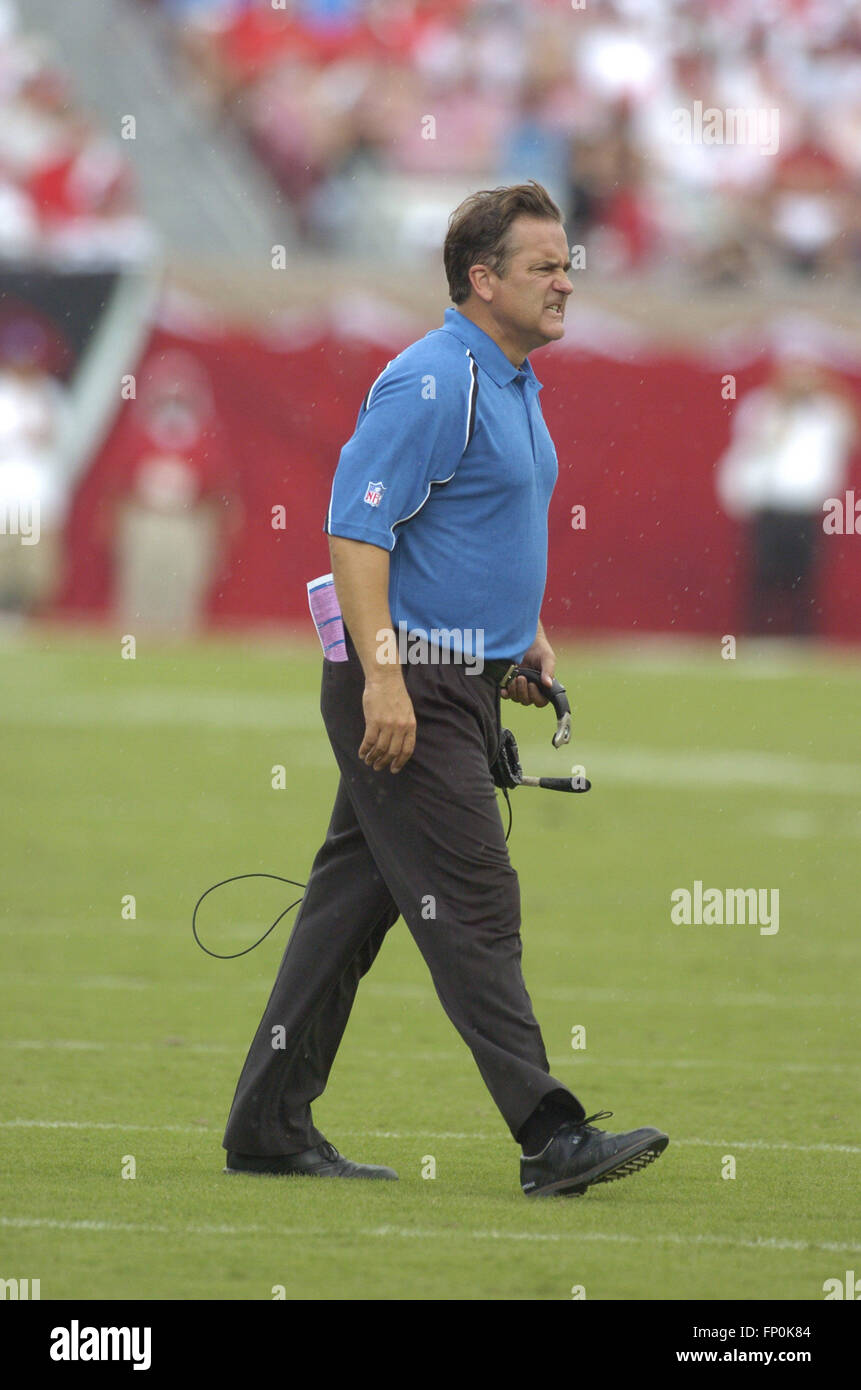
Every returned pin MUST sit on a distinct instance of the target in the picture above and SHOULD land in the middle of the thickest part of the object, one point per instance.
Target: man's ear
(481, 277)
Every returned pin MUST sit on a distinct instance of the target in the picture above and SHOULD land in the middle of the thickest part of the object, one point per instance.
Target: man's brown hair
(478, 230)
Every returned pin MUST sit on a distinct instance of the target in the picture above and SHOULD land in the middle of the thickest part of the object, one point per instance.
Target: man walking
(437, 525)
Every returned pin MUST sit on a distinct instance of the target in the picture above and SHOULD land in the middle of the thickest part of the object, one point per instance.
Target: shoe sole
(622, 1166)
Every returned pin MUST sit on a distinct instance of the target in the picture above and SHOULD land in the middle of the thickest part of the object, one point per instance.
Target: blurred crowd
(579, 94)
(376, 117)
(66, 189)
(352, 103)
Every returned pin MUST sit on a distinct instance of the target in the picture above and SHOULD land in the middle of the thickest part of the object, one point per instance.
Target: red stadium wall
(637, 443)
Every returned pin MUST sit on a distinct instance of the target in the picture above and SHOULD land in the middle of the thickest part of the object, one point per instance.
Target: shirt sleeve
(413, 429)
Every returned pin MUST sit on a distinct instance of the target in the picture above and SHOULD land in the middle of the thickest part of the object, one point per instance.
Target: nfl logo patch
(374, 494)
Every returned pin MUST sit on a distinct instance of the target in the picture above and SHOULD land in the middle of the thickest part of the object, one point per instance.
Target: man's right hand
(390, 724)
(361, 575)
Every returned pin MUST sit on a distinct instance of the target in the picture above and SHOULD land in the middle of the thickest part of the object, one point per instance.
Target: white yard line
(421, 1135)
(107, 1125)
(704, 770)
(423, 993)
(426, 1234)
(648, 998)
(657, 768)
(156, 707)
(82, 1045)
(439, 1055)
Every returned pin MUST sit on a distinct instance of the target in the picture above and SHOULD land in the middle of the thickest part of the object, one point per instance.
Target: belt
(499, 672)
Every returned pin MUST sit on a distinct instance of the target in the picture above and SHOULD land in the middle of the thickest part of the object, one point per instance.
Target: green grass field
(120, 1040)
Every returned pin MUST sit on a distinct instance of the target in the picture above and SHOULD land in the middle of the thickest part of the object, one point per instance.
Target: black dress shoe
(322, 1162)
(579, 1155)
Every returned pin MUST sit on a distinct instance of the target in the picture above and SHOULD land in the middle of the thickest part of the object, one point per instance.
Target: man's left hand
(541, 657)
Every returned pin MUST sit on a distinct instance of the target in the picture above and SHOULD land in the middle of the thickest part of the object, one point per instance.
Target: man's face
(528, 300)
(800, 376)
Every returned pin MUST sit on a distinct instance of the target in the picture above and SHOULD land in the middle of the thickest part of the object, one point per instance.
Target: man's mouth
(555, 309)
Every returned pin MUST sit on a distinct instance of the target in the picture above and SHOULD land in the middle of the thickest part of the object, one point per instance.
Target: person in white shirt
(34, 490)
(790, 449)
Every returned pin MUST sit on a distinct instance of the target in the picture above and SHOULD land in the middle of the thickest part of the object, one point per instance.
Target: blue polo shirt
(451, 469)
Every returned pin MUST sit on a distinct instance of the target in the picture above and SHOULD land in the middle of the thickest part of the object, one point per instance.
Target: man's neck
(513, 351)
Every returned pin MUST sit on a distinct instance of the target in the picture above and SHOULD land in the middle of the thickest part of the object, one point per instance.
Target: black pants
(426, 844)
(783, 572)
